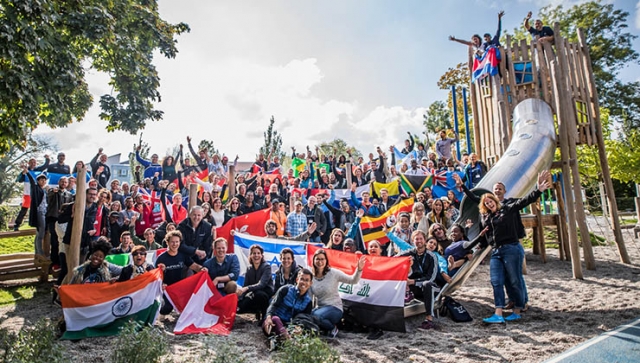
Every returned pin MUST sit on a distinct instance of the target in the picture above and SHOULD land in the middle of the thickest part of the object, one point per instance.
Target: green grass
(16, 244)
(12, 294)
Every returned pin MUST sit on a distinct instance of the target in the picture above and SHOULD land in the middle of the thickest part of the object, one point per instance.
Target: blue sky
(364, 71)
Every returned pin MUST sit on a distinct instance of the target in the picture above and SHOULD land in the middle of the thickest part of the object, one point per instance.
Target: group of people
(152, 213)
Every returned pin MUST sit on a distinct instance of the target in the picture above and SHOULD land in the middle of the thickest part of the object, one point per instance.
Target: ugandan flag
(371, 227)
(415, 183)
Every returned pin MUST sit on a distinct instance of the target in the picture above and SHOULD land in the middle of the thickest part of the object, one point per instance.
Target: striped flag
(203, 310)
(371, 227)
(392, 188)
(377, 300)
(272, 248)
(93, 310)
(486, 65)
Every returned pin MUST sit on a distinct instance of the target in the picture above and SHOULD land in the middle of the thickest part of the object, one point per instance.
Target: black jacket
(424, 268)
(199, 238)
(37, 195)
(503, 224)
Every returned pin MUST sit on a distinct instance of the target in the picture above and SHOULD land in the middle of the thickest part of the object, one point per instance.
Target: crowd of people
(121, 218)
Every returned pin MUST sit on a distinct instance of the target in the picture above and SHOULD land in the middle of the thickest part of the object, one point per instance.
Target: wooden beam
(73, 255)
(564, 149)
(604, 163)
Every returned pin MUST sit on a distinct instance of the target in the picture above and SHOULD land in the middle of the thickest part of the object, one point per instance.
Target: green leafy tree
(11, 164)
(208, 145)
(272, 142)
(611, 49)
(437, 117)
(47, 46)
(337, 147)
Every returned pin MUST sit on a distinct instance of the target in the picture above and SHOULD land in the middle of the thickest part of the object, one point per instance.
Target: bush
(36, 344)
(220, 350)
(137, 343)
(305, 348)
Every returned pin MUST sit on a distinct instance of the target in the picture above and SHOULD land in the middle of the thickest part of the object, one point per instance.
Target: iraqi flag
(377, 300)
(371, 227)
(94, 310)
(251, 223)
(203, 310)
(272, 248)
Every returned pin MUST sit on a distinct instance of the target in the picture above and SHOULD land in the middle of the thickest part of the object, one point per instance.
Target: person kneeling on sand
(289, 301)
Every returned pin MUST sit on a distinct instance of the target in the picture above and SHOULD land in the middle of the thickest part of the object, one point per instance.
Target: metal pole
(466, 120)
(455, 119)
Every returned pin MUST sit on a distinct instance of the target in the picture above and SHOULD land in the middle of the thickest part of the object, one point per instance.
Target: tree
(337, 147)
(272, 142)
(11, 164)
(437, 117)
(46, 45)
(208, 145)
(611, 50)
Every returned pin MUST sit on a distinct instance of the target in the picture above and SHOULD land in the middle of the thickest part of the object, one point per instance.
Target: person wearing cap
(60, 167)
(495, 41)
(115, 228)
(38, 208)
(296, 221)
(139, 266)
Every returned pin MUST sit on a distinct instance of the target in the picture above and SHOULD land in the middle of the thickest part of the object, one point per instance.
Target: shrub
(36, 344)
(137, 343)
(220, 350)
(305, 348)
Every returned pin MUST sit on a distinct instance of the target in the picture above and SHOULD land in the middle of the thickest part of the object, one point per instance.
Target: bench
(24, 265)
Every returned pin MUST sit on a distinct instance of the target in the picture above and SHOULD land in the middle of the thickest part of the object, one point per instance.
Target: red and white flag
(203, 310)
(251, 223)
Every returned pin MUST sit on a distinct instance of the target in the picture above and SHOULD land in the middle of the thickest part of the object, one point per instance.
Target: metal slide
(531, 151)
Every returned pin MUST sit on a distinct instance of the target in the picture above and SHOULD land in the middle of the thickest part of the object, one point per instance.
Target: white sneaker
(334, 332)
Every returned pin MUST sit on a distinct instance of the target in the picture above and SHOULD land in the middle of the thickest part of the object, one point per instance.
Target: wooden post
(563, 237)
(73, 255)
(568, 112)
(232, 181)
(347, 171)
(564, 149)
(193, 196)
(603, 200)
(604, 163)
(540, 242)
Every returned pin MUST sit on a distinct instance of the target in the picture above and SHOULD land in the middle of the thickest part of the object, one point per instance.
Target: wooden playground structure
(561, 75)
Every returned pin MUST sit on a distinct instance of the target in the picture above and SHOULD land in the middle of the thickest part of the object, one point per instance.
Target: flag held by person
(203, 310)
(414, 183)
(251, 223)
(94, 310)
(377, 300)
(371, 227)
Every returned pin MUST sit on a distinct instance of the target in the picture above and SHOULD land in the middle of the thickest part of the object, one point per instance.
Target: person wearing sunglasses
(139, 266)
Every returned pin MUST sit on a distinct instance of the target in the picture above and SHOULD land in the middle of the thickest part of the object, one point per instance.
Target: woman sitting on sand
(328, 311)
(508, 253)
(254, 296)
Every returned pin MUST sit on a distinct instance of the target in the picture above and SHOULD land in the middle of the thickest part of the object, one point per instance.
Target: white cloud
(638, 15)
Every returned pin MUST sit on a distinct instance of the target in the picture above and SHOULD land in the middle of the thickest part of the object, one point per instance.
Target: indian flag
(93, 310)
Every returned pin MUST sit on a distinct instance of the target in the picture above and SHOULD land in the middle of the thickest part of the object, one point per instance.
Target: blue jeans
(524, 288)
(506, 270)
(327, 317)
(40, 232)
(315, 239)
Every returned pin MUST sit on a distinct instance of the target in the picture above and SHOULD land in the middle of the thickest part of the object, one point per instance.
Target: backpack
(307, 322)
(455, 310)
